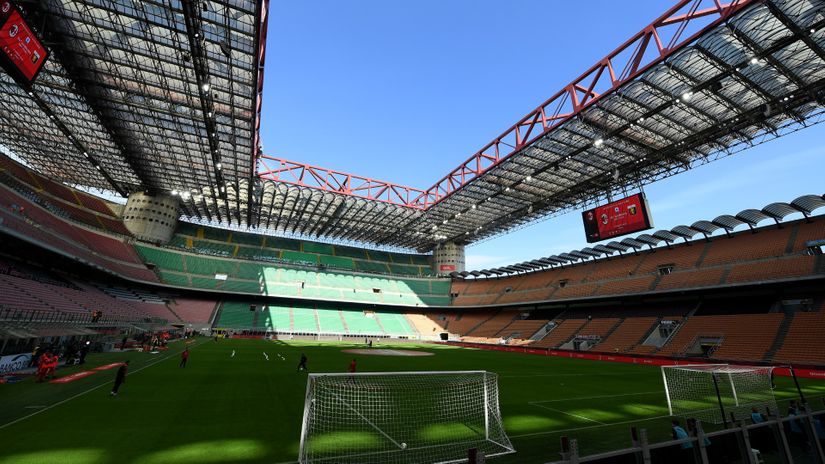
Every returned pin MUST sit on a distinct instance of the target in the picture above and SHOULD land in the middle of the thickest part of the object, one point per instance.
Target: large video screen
(23, 55)
(618, 218)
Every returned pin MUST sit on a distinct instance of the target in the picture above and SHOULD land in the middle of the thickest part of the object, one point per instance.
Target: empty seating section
(199, 271)
(249, 246)
(628, 334)
(277, 318)
(304, 320)
(767, 254)
(493, 325)
(329, 321)
(26, 294)
(396, 324)
(359, 322)
(599, 327)
(424, 325)
(743, 336)
(522, 329)
(193, 311)
(804, 342)
(43, 226)
(236, 315)
(78, 205)
(564, 331)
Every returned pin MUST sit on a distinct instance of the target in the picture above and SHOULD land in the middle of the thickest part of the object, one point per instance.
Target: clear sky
(404, 91)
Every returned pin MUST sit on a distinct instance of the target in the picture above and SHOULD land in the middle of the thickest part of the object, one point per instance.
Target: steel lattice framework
(165, 95)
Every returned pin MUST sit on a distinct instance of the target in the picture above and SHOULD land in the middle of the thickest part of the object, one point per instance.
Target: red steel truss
(292, 172)
(647, 48)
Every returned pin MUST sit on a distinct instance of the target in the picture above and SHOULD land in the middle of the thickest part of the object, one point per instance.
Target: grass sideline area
(245, 409)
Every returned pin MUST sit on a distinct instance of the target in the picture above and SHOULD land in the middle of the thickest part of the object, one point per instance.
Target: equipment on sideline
(715, 392)
(401, 417)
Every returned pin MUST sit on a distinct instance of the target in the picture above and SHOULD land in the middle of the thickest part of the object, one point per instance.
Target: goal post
(401, 417)
(711, 392)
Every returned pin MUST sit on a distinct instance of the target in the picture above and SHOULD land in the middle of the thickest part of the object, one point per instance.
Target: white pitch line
(550, 432)
(569, 413)
(46, 408)
(596, 397)
(559, 375)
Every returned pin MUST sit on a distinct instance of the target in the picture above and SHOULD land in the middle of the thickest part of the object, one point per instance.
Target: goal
(401, 417)
(711, 392)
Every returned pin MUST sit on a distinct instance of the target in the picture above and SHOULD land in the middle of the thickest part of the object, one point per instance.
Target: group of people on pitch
(302, 364)
(46, 365)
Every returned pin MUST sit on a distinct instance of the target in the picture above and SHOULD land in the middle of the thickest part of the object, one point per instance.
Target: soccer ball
(403, 446)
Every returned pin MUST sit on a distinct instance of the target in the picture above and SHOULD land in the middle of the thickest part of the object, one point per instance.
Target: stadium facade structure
(161, 104)
(165, 99)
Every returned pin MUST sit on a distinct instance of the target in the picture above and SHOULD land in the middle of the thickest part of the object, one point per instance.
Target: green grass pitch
(248, 410)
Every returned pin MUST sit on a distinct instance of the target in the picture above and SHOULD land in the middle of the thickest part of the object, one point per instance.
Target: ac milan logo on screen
(6, 7)
(14, 30)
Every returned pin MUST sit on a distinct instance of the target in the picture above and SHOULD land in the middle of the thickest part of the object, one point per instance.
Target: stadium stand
(279, 280)
(493, 325)
(193, 311)
(768, 253)
(519, 331)
(736, 336)
(628, 334)
(563, 332)
(804, 342)
(218, 242)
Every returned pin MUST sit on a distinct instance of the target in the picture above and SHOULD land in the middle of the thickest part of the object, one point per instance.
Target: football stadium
(173, 292)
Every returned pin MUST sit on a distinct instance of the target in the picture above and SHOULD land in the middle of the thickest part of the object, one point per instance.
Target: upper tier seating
(190, 270)
(193, 311)
(768, 253)
(79, 206)
(45, 228)
(221, 242)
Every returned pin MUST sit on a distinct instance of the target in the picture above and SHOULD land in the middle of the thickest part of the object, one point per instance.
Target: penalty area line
(598, 397)
(46, 408)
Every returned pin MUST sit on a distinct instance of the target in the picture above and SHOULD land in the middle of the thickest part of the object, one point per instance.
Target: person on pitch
(302, 364)
(184, 357)
(120, 377)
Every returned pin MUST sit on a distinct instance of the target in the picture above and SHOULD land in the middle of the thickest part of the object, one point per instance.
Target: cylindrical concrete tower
(448, 257)
(151, 218)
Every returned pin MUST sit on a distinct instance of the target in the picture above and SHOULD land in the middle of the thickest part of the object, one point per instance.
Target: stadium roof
(806, 205)
(165, 96)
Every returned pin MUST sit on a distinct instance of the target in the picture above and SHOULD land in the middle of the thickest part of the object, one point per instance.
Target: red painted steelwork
(292, 172)
(622, 65)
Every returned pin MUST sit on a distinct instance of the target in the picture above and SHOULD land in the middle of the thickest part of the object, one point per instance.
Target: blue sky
(406, 91)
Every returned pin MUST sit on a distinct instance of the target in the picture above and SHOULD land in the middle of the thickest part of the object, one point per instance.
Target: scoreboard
(22, 54)
(621, 217)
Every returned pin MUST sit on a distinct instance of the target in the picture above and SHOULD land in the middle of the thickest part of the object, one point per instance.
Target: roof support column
(448, 257)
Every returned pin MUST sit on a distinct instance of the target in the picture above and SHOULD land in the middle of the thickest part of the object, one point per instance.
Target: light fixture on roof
(184, 195)
(754, 60)
(687, 96)
(218, 166)
(85, 154)
(528, 179)
(205, 87)
(209, 114)
(473, 207)
(489, 198)
(507, 189)
(641, 119)
(174, 192)
(598, 142)
(31, 94)
(444, 221)
(813, 30)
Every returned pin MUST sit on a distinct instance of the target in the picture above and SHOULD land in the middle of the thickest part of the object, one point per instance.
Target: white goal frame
(707, 391)
(407, 417)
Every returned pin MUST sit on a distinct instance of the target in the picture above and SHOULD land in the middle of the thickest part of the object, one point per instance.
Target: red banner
(72, 377)
(446, 267)
(106, 367)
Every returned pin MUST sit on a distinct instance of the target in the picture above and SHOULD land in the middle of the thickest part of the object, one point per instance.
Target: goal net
(401, 417)
(692, 390)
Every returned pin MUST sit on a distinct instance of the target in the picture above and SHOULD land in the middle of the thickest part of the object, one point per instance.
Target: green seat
(360, 323)
(330, 321)
(395, 324)
(236, 315)
(164, 259)
(304, 320)
(181, 280)
(351, 252)
(276, 318)
(319, 248)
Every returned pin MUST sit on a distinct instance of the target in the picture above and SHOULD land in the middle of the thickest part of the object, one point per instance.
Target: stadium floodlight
(714, 392)
(401, 417)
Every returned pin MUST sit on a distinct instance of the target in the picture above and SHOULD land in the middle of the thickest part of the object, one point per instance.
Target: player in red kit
(184, 357)
(352, 366)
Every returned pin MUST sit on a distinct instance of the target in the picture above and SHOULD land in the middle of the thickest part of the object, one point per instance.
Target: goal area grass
(248, 409)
